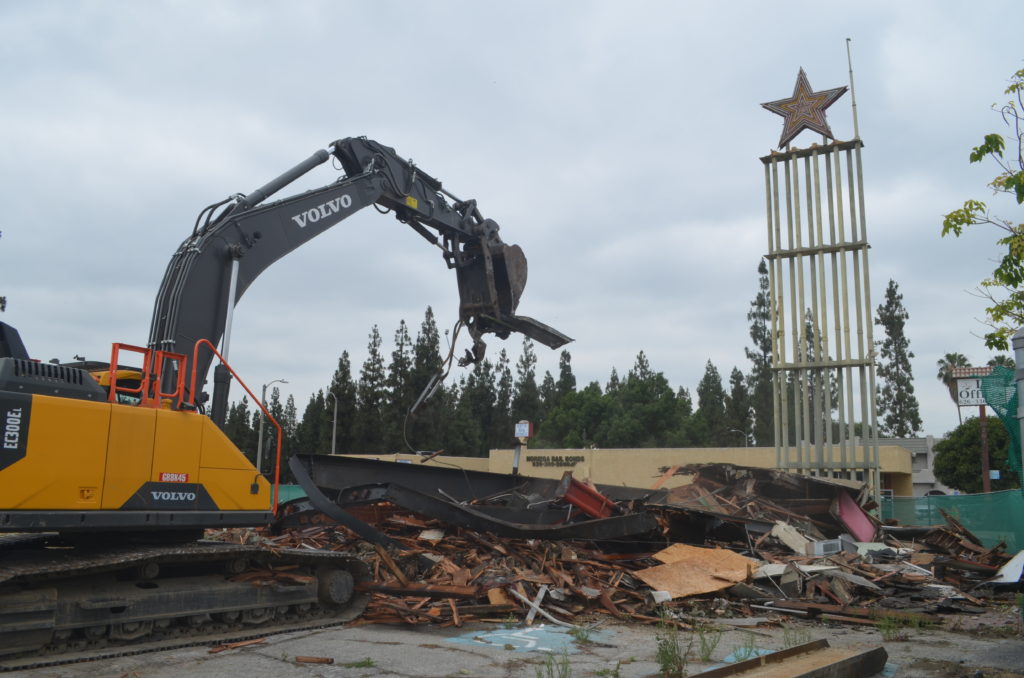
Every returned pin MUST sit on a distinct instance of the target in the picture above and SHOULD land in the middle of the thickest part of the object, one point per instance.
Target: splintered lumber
(810, 660)
(665, 476)
(842, 611)
(456, 619)
(391, 565)
(421, 589)
(236, 645)
(470, 576)
(547, 616)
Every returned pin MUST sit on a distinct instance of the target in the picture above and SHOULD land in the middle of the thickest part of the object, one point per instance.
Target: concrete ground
(995, 650)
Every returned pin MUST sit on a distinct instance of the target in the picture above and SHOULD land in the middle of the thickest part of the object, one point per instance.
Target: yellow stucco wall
(643, 467)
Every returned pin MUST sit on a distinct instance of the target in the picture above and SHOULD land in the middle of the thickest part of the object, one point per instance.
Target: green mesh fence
(1000, 393)
(992, 517)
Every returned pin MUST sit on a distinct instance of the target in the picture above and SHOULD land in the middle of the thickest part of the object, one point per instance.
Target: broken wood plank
(233, 646)
(421, 589)
(455, 613)
(313, 660)
(535, 605)
(391, 564)
(811, 660)
(665, 476)
(547, 616)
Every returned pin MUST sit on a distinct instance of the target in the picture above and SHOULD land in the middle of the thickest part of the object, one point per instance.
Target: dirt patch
(948, 669)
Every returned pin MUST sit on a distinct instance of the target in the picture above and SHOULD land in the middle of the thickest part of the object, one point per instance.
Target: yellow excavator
(110, 473)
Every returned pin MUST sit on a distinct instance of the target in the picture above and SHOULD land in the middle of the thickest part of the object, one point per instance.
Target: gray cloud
(617, 143)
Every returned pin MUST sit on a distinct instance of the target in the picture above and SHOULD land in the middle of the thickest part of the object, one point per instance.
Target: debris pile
(735, 542)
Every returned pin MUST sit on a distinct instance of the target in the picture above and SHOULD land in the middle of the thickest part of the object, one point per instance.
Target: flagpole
(853, 95)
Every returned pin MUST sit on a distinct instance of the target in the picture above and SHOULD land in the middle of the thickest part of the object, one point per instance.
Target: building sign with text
(968, 385)
(968, 393)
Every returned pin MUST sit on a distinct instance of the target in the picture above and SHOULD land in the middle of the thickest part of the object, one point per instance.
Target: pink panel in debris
(854, 518)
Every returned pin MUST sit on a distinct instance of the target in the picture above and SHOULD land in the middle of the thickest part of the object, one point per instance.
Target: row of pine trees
(478, 412)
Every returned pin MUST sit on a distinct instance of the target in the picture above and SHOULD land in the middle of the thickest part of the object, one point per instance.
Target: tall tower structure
(821, 321)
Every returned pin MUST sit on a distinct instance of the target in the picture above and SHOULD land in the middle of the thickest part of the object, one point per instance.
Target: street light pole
(334, 428)
(742, 433)
(259, 443)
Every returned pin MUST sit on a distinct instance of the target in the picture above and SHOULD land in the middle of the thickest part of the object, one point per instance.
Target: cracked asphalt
(493, 651)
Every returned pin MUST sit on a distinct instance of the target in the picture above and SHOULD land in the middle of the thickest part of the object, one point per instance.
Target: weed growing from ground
(581, 634)
(671, 655)
(794, 635)
(609, 673)
(891, 628)
(555, 667)
(748, 650)
(708, 638)
(361, 664)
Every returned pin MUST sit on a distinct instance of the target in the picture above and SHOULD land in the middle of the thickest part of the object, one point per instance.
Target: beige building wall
(642, 467)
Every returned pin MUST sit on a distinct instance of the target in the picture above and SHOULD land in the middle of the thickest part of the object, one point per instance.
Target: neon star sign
(805, 109)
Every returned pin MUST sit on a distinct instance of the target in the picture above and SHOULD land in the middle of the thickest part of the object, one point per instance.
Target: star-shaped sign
(805, 109)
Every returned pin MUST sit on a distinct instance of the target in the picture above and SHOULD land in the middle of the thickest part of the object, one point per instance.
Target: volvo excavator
(109, 474)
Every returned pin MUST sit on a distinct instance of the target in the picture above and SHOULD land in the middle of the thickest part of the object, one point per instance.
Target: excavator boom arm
(213, 268)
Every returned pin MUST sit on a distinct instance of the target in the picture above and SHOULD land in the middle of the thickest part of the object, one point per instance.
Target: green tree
(277, 411)
(759, 381)
(642, 412)
(477, 397)
(428, 421)
(958, 456)
(946, 365)
(464, 435)
(548, 395)
(1002, 291)
(526, 404)
(737, 409)
(897, 404)
(711, 408)
(613, 382)
(1002, 361)
(579, 421)
(341, 394)
(371, 398)
(502, 427)
(400, 390)
(312, 436)
(239, 430)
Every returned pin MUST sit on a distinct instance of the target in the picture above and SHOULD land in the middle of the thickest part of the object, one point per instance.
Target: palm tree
(946, 364)
(1002, 361)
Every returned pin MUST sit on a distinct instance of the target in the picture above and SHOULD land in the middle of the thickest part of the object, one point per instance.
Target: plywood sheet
(690, 570)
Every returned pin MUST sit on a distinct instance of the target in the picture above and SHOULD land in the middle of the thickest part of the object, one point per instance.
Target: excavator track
(61, 604)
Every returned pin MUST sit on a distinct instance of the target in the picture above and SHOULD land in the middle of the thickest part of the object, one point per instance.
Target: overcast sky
(616, 142)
